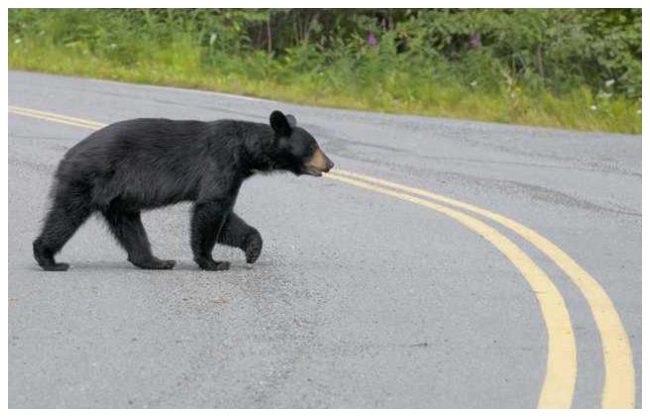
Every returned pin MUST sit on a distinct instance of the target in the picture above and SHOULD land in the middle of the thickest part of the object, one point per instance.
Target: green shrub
(541, 66)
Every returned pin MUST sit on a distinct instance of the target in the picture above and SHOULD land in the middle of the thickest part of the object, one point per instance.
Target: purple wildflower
(372, 39)
(475, 40)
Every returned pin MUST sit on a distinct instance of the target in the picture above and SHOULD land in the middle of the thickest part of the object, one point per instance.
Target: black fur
(143, 164)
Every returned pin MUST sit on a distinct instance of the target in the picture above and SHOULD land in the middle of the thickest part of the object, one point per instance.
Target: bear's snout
(318, 164)
(328, 164)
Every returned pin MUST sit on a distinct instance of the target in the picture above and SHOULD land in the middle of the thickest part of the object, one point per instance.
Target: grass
(379, 88)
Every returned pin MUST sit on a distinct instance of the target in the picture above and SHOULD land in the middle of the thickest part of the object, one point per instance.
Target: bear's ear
(292, 121)
(280, 124)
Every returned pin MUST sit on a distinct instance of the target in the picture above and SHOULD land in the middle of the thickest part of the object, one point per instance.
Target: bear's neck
(259, 149)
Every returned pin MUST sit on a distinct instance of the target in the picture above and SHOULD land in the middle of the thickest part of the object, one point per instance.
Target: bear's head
(297, 150)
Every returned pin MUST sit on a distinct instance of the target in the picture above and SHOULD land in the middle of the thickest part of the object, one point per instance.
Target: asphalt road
(366, 294)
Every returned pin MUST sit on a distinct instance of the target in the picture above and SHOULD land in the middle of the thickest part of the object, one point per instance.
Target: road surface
(443, 264)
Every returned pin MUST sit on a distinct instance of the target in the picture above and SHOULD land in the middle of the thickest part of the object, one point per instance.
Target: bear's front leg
(237, 233)
(207, 220)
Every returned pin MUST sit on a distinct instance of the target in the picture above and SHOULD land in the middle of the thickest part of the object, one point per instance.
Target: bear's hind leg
(237, 233)
(129, 231)
(70, 209)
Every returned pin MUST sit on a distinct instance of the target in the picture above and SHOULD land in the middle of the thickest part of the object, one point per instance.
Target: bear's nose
(328, 164)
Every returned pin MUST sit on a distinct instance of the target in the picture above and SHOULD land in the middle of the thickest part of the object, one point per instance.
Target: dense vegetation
(562, 68)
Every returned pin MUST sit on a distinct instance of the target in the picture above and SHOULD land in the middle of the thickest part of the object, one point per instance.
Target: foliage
(522, 62)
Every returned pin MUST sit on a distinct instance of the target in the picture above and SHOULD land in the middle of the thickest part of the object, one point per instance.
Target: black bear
(142, 164)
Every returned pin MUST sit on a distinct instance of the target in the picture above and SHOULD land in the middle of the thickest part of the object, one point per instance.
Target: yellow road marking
(619, 388)
(561, 366)
(53, 117)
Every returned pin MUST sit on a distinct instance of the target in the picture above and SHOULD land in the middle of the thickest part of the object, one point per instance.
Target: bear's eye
(311, 149)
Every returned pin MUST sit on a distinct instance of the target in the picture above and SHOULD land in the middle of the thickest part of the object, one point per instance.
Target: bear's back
(134, 142)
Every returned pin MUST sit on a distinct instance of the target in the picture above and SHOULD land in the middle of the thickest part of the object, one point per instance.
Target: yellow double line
(561, 370)
(57, 118)
(619, 387)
